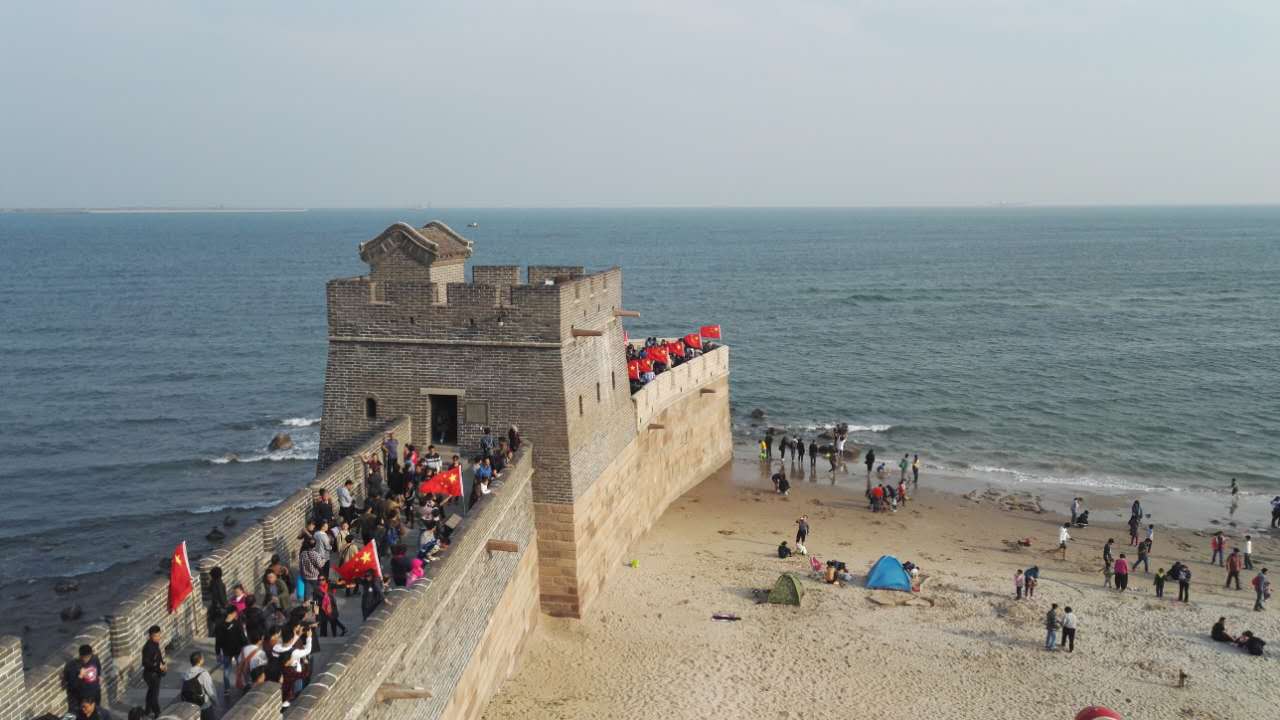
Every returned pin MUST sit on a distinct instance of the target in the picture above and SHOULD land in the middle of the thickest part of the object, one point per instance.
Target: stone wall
(582, 543)
(456, 635)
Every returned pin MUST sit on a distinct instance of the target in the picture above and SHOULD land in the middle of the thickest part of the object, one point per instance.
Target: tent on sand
(887, 574)
(787, 590)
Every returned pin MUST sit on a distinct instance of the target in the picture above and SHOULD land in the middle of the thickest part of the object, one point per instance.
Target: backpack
(193, 691)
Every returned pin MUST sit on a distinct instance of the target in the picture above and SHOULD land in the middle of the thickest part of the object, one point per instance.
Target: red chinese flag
(646, 365)
(710, 331)
(448, 483)
(180, 584)
(693, 341)
(362, 562)
(658, 354)
(633, 370)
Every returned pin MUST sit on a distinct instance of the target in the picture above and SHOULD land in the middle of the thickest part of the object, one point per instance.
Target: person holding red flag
(363, 561)
(180, 580)
(448, 483)
(693, 340)
(710, 331)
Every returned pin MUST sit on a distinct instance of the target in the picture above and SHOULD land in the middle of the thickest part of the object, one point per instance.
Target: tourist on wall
(347, 501)
(82, 678)
(154, 668)
(229, 639)
(275, 596)
(197, 687)
(293, 651)
(89, 709)
(371, 594)
(327, 609)
(217, 596)
(253, 656)
(513, 438)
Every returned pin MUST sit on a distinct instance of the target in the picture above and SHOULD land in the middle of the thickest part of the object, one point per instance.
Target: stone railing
(33, 692)
(670, 386)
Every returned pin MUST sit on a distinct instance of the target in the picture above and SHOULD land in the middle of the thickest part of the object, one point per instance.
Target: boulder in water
(758, 414)
(66, 586)
(215, 535)
(229, 521)
(71, 612)
(281, 441)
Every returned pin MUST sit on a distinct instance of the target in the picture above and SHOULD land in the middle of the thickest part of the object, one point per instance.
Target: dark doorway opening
(444, 419)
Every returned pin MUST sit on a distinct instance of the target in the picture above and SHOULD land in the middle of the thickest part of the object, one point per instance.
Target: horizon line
(144, 209)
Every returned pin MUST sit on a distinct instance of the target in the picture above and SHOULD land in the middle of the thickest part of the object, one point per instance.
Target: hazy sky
(613, 102)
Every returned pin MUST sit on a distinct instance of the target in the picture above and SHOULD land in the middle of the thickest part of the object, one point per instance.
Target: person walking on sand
(1051, 625)
(1133, 530)
(1106, 551)
(798, 453)
(1069, 629)
(1135, 510)
(1261, 586)
(813, 455)
(1122, 573)
(1019, 583)
(1144, 556)
(903, 464)
(1248, 552)
(1234, 563)
(1184, 583)
(1159, 582)
(1063, 537)
(1235, 498)
(871, 461)
(915, 472)
(1107, 572)
(802, 529)
(786, 445)
(1217, 543)
(1075, 510)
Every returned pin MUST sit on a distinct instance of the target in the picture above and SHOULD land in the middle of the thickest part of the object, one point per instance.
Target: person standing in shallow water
(798, 454)
(903, 464)
(813, 455)
(915, 472)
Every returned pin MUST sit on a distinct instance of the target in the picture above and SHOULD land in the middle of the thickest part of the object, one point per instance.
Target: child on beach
(1019, 582)
(1159, 582)
(1063, 537)
(1218, 544)
(1106, 573)
(902, 492)
(1030, 578)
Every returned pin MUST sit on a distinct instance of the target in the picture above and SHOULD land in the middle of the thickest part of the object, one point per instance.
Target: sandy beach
(648, 647)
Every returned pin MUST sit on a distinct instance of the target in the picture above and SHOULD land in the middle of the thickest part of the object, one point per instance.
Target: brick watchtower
(413, 338)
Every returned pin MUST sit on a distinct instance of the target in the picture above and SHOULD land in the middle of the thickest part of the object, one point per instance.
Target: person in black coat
(371, 594)
(154, 666)
(82, 679)
(229, 639)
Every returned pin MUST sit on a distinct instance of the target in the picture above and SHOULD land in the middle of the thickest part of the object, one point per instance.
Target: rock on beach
(281, 441)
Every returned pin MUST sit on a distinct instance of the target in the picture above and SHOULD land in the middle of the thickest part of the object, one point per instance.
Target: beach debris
(71, 612)
(725, 532)
(725, 617)
(229, 521)
(215, 535)
(758, 414)
(281, 441)
(66, 586)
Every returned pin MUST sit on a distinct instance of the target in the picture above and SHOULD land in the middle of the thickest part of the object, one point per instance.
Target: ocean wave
(205, 509)
(300, 422)
(1088, 481)
(303, 449)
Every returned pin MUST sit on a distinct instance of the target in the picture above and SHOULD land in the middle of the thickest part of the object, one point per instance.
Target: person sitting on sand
(1250, 643)
(1219, 631)
(780, 484)
(784, 552)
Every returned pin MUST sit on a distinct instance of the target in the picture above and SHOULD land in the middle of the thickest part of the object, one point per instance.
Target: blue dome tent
(887, 574)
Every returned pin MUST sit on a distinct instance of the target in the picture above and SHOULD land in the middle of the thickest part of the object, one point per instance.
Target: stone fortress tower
(413, 338)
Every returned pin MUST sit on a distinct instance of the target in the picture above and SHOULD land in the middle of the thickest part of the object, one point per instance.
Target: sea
(146, 359)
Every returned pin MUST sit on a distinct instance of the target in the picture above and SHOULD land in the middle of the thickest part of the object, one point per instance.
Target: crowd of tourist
(654, 356)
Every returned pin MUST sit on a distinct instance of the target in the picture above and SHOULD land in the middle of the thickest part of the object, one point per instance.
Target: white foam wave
(852, 428)
(1089, 481)
(303, 449)
(300, 422)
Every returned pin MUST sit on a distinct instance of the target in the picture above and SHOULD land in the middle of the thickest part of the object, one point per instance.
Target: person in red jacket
(1234, 563)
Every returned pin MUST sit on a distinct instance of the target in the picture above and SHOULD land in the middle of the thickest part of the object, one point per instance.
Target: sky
(620, 103)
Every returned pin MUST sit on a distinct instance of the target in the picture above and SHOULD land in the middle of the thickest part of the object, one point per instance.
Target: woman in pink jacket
(1122, 573)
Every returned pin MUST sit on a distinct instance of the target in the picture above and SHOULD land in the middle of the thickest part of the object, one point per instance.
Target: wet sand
(648, 646)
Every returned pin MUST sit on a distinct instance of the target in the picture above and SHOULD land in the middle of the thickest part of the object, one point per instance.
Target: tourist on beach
(1234, 563)
(785, 446)
(1030, 579)
(82, 678)
(784, 552)
(197, 687)
(813, 455)
(1159, 582)
(1183, 577)
(1261, 586)
(1218, 543)
(1219, 631)
(154, 668)
(1108, 570)
(915, 472)
(1069, 629)
(1248, 552)
(902, 492)
(768, 444)
(1063, 537)
(1133, 530)
(798, 452)
(229, 638)
(877, 498)
(764, 451)
(1144, 556)
(903, 464)
(1275, 512)
(1250, 643)
(871, 461)
(1122, 573)
(1151, 535)
(1019, 583)
(1075, 509)
(1051, 625)
(1235, 498)
(1106, 551)
(1135, 510)
(802, 529)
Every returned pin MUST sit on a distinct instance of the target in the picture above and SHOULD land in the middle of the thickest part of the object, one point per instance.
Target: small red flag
(362, 562)
(448, 483)
(633, 370)
(646, 365)
(658, 354)
(693, 341)
(710, 331)
(180, 582)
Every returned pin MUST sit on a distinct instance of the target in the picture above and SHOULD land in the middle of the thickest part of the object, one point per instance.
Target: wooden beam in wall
(619, 312)
(657, 426)
(708, 391)
(579, 332)
(395, 691)
(491, 546)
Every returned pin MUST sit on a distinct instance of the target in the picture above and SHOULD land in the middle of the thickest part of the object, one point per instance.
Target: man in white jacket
(1063, 537)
